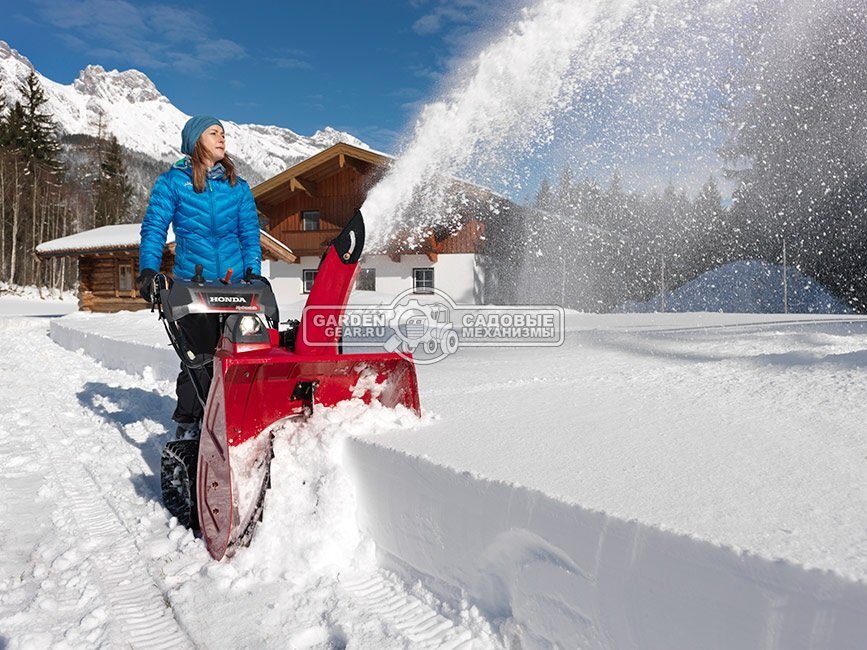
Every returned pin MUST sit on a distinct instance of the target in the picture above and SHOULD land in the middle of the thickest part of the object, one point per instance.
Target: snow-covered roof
(128, 236)
(106, 238)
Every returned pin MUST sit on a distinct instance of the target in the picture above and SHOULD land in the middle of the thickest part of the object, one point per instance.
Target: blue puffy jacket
(217, 228)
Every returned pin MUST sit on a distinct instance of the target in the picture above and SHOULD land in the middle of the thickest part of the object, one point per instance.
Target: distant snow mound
(749, 286)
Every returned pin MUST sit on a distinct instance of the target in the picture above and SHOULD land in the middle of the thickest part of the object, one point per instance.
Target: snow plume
(507, 94)
(636, 96)
(597, 85)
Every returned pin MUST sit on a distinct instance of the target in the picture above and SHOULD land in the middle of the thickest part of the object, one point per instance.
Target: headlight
(250, 326)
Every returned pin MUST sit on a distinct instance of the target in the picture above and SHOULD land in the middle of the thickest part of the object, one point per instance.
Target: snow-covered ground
(91, 559)
(661, 480)
(28, 301)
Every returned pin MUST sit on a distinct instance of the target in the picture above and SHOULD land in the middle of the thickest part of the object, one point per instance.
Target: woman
(212, 212)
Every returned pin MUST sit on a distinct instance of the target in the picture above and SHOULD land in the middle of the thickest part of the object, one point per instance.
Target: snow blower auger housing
(262, 376)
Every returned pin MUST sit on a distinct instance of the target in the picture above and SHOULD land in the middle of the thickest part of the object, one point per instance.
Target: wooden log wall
(98, 289)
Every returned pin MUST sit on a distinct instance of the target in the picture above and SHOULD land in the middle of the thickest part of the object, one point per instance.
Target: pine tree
(714, 241)
(544, 197)
(36, 149)
(36, 140)
(112, 188)
(12, 132)
(564, 200)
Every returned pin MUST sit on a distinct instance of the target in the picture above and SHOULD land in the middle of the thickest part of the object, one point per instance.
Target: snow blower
(263, 375)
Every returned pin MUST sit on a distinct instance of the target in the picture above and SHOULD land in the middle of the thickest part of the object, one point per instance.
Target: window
(366, 280)
(307, 278)
(423, 280)
(310, 220)
(124, 277)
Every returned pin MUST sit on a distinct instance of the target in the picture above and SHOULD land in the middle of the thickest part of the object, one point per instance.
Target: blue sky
(359, 66)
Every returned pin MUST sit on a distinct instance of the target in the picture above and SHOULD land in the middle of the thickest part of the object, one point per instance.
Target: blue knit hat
(194, 128)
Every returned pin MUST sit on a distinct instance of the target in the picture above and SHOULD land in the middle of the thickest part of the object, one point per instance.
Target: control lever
(249, 276)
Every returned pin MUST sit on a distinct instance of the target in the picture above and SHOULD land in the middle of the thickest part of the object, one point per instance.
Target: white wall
(455, 274)
(286, 278)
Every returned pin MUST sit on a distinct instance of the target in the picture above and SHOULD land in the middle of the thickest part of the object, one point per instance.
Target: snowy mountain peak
(329, 136)
(6, 52)
(130, 85)
(128, 105)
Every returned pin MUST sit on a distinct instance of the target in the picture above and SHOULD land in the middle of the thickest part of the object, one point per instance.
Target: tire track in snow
(98, 565)
(141, 617)
(389, 604)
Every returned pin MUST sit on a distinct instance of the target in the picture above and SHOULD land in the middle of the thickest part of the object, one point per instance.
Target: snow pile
(18, 300)
(42, 294)
(307, 554)
(748, 286)
(312, 505)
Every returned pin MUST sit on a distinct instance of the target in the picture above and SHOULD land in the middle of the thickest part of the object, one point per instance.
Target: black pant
(200, 333)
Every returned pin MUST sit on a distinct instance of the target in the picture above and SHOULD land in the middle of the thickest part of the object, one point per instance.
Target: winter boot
(188, 430)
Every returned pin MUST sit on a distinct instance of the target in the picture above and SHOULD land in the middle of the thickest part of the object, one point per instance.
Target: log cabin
(108, 264)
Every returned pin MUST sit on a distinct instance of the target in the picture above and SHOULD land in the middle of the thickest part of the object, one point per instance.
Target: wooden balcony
(307, 242)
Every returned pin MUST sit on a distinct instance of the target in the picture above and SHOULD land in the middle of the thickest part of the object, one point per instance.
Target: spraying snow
(509, 94)
(622, 100)
(749, 286)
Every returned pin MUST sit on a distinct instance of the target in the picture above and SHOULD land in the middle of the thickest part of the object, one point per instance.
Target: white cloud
(143, 35)
(429, 24)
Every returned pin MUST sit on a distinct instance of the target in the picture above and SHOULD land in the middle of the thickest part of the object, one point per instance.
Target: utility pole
(785, 282)
(662, 283)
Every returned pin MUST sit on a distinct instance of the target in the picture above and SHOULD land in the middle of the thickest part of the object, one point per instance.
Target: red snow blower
(263, 375)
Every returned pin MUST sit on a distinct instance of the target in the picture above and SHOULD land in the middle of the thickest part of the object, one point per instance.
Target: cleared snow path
(72, 571)
(91, 559)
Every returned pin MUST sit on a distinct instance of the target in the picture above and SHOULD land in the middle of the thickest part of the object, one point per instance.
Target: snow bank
(134, 342)
(16, 300)
(747, 286)
(308, 559)
(555, 574)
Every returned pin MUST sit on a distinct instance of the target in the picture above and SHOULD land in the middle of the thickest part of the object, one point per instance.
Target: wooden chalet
(307, 205)
(108, 264)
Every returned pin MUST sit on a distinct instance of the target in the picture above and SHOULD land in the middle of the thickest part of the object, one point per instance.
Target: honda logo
(228, 299)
